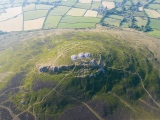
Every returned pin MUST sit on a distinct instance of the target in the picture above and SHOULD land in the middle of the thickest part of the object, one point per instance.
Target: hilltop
(123, 82)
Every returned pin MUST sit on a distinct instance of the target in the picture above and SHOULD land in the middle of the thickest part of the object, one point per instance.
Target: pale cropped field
(76, 12)
(91, 13)
(109, 5)
(152, 13)
(34, 24)
(29, 7)
(85, 1)
(14, 24)
(10, 13)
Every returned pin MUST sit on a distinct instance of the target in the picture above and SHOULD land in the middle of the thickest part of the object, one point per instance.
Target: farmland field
(152, 13)
(43, 7)
(83, 5)
(154, 6)
(109, 5)
(76, 25)
(34, 24)
(10, 13)
(52, 22)
(31, 15)
(155, 24)
(85, 1)
(71, 19)
(60, 10)
(140, 21)
(91, 13)
(29, 7)
(14, 24)
(112, 22)
(116, 17)
(76, 12)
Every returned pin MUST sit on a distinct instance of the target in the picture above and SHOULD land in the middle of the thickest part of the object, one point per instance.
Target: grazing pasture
(29, 7)
(71, 19)
(43, 7)
(52, 22)
(34, 24)
(76, 25)
(141, 22)
(83, 5)
(155, 24)
(31, 15)
(60, 10)
(112, 22)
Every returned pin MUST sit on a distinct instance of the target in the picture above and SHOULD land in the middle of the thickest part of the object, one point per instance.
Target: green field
(155, 24)
(154, 33)
(60, 10)
(30, 7)
(116, 17)
(112, 22)
(71, 19)
(30, 15)
(52, 22)
(126, 24)
(66, 3)
(154, 6)
(140, 21)
(82, 5)
(96, 5)
(43, 7)
(76, 25)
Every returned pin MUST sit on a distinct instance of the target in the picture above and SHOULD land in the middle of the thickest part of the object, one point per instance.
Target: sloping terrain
(119, 81)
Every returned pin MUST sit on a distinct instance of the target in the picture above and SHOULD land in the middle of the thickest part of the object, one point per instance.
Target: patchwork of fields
(28, 15)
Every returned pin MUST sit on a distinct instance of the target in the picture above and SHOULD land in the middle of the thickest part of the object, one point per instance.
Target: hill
(119, 80)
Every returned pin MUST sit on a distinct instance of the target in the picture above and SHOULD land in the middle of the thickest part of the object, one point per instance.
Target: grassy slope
(45, 51)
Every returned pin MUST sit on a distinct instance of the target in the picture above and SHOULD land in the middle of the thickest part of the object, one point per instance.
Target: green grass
(140, 21)
(76, 25)
(66, 3)
(154, 6)
(30, 15)
(112, 22)
(29, 7)
(60, 10)
(71, 19)
(96, 5)
(116, 17)
(83, 5)
(154, 33)
(126, 24)
(155, 24)
(52, 22)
